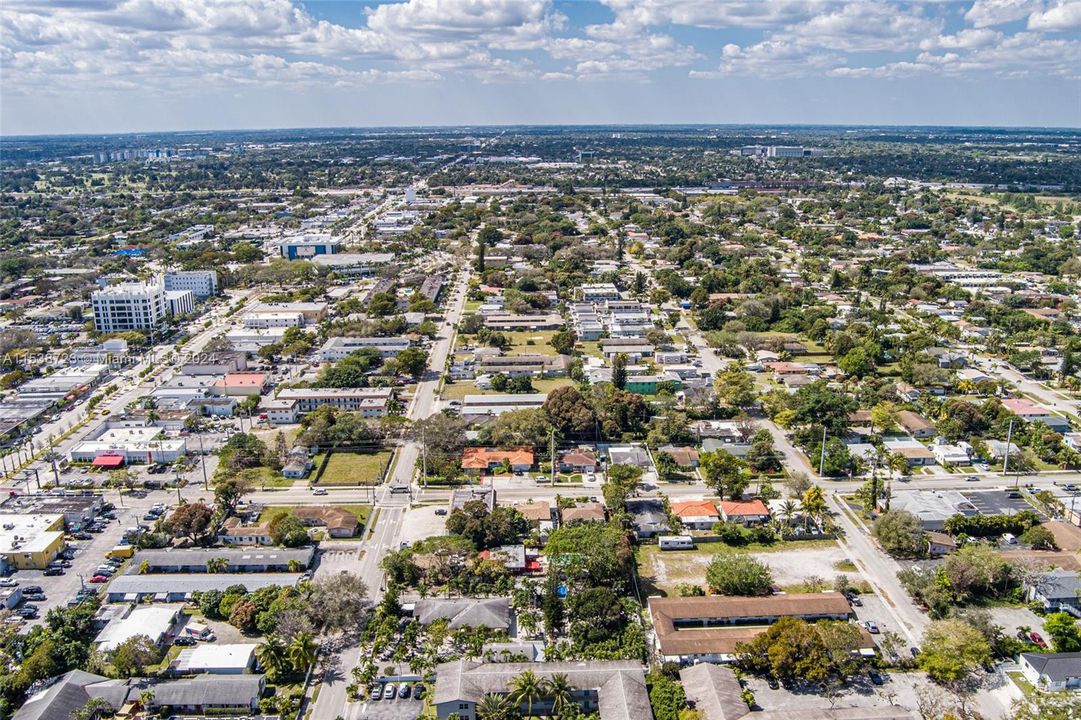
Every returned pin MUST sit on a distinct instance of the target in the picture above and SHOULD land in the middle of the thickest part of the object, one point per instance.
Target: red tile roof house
(578, 460)
(481, 460)
(696, 514)
(746, 512)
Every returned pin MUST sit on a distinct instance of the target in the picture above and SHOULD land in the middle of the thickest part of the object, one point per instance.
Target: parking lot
(397, 709)
(995, 502)
(88, 554)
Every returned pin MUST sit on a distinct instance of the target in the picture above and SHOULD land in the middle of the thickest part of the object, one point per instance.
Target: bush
(738, 574)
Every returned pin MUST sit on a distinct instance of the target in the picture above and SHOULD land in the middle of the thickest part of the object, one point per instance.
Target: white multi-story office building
(129, 306)
(201, 283)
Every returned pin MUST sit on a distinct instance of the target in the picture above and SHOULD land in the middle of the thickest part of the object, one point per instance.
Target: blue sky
(132, 65)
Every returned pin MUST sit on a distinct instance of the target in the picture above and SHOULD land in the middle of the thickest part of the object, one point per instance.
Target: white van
(1009, 539)
(676, 542)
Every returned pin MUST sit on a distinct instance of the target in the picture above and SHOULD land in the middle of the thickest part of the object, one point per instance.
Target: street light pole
(822, 458)
(202, 462)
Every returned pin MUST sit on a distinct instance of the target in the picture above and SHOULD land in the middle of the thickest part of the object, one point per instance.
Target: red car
(99, 579)
(1035, 637)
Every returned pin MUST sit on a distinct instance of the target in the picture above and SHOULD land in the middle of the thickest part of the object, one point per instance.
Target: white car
(9, 583)
(319, 491)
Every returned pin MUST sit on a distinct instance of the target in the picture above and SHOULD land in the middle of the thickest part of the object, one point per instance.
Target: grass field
(261, 477)
(458, 390)
(520, 342)
(352, 468)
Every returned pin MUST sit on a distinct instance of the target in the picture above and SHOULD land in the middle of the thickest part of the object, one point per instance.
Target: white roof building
(229, 659)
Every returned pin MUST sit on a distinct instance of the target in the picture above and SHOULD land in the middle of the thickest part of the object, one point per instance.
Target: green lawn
(520, 340)
(345, 468)
(266, 477)
(458, 390)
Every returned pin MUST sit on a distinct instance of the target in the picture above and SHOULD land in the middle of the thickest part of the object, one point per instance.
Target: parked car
(9, 583)
(1037, 639)
(405, 691)
(419, 691)
(376, 692)
(51, 571)
(876, 677)
(82, 536)
(390, 692)
(184, 640)
(99, 579)
(871, 627)
(440, 511)
(34, 597)
(33, 589)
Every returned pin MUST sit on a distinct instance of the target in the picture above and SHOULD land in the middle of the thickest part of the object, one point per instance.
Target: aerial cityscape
(512, 413)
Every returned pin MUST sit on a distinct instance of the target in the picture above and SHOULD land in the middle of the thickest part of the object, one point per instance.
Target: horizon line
(505, 126)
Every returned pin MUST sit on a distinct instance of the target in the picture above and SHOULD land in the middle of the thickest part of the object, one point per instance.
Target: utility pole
(424, 457)
(552, 451)
(1006, 460)
(202, 462)
(822, 458)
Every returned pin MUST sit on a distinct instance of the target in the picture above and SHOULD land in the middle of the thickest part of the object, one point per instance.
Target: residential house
(696, 514)
(584, 512)
(648, 517)
(1052, 672)
(745, 512)
(493, 613)
(1032, 412)
(479, 460)
(1057, 591)
(685, 457)
(629, 455)
(538, 513)
(915, 424)
(339, 523)
(578, 460)
(939, 544)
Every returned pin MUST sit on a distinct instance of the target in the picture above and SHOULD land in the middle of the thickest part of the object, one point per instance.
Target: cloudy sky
(127, 65)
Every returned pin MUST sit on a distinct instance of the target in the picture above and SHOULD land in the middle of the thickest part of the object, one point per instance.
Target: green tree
(952, 650)
(900, 534)
(1039, 537)
(273, 656)
(526, 689)
(131, 657)
(190, 520)
(563, 341)
(412, 361)
(790, 649)
(94, 708)
(723, 472)
(302, 651)
(619, 371)
(735, 387)
(596, 615)
(1064, 632)
(495, 706)
(560, 693)
(569, 411)
(738, 574)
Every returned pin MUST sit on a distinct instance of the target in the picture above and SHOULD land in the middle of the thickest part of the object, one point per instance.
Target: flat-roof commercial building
(30, 541)
(497, 404)
(129, 306)
(614, 689)
(708, 629)
(180, 587)
(308, 246)
(133, 444)
(933, 507)
(337, 348)
(253, 560)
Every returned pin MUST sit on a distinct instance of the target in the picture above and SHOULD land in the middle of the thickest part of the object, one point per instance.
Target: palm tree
(526, 689)
(814, 504)
(788, 510)
(94, 708)
(559, 690)
(494, 707)
(273, 655)
(52, 457)
(302, 651)
(146, 698)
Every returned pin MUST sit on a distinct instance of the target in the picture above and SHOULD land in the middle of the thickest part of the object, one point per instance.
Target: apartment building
(369, 402)
(337, 348)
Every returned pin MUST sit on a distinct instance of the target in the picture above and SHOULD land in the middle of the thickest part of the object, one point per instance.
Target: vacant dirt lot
(791, 563)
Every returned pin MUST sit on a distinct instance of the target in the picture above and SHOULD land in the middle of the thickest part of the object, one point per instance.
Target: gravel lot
(790, 566)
